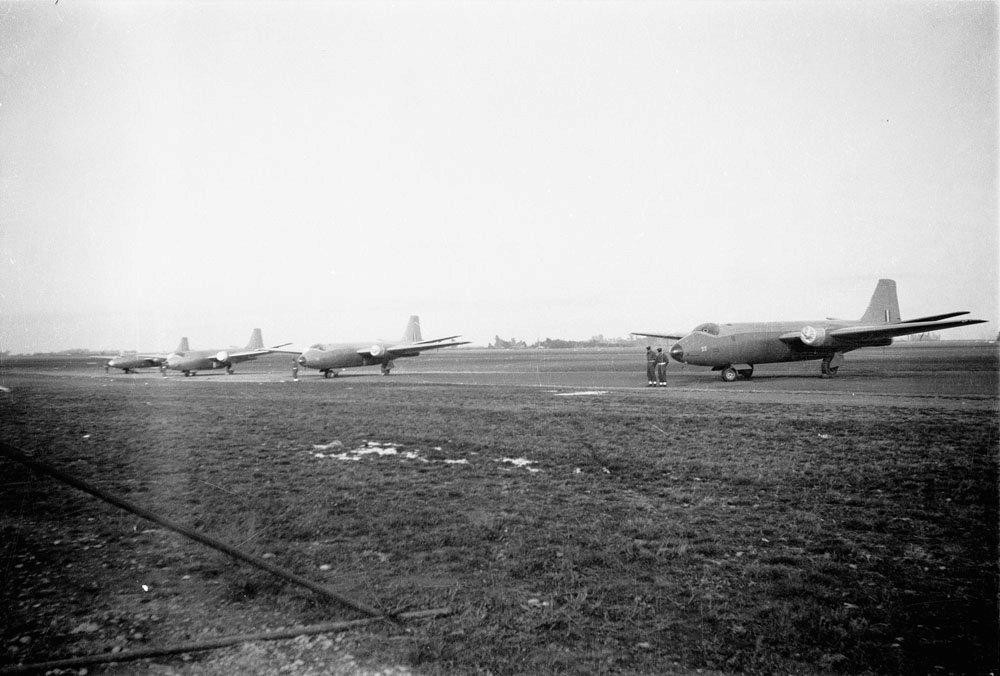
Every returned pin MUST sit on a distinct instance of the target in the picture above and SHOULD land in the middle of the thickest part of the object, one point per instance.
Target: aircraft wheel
(728, 374)
(326, 373)
(746, 373)
(229, 371)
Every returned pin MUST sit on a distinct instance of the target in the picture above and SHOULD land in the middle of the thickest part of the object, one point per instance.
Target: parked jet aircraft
(130, 362)
(733, 349)
(330, 358)
(191, 361)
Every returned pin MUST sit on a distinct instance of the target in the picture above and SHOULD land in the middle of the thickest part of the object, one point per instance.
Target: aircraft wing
(407, 349)
(670, 336)
(242, 355)
(437, 340)
(289, 348)
(149, 357)
(858, 334)
(935, 318)
(853, 333)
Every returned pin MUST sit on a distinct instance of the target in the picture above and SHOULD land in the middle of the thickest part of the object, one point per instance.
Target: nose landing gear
(731, 373)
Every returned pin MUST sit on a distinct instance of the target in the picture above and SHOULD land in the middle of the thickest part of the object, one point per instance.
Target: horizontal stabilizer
(257, 352)
(436, 340)
(935, 318)
(851, 335)
(409, 349)
(289, 348)
(669, 336)
(860, 333)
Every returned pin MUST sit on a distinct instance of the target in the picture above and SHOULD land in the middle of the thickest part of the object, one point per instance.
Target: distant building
(595, 341)
(512, 344)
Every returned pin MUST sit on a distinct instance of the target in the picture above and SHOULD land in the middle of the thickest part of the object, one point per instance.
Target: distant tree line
(556, 343)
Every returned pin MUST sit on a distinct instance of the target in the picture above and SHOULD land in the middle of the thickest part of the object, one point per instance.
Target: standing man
(661, 367)
(650, 366)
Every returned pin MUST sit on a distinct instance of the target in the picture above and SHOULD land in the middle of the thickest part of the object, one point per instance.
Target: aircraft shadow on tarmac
(345, 376)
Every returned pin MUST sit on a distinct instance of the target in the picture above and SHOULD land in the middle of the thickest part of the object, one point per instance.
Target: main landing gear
(229, 370)
(386, 367)
(831, 365)
(329, 373)
(731, 373)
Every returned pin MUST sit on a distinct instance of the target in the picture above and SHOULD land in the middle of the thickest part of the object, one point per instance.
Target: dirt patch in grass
(656, 535)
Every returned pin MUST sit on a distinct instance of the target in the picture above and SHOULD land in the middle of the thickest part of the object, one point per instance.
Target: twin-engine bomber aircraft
(191, 361)
(330, 358)
(733, 349)
(130, 362)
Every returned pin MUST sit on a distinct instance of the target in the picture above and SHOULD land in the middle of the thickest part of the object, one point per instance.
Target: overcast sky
(325, 170)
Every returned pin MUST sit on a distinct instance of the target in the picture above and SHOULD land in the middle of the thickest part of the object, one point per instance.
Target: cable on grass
(209, 644)
(8, 451)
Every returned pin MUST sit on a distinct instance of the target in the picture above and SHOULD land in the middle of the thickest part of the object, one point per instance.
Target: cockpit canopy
(708, 327)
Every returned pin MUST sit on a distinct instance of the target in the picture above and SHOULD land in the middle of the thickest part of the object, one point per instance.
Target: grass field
(647, 532)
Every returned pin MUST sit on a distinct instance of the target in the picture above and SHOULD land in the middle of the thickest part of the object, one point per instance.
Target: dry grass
(657, 536)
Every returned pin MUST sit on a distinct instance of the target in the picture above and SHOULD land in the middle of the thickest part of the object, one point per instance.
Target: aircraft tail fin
(883, 308)
(183, 346)
(256, 341)
(412, 333)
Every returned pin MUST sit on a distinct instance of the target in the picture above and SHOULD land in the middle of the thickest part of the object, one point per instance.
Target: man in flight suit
(650, 366)
(661, 367)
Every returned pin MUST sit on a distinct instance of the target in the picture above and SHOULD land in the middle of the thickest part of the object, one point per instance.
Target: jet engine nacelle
(814, 337)
(221, 356)
(376, 350)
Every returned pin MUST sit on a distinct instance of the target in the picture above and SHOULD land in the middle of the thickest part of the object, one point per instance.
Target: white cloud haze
(561, 169)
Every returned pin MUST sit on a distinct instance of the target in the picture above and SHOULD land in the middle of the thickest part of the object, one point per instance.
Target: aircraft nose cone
(302, 360)
(677, 352)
